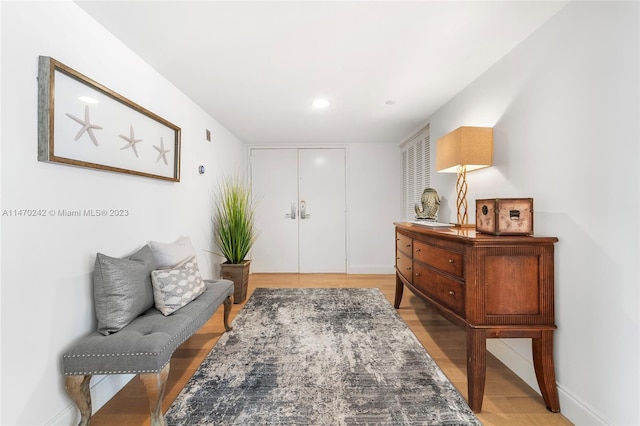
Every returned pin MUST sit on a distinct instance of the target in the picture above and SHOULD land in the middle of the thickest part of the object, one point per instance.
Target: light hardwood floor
(507, 399)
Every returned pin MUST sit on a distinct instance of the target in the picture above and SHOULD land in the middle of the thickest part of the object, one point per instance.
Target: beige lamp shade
(466, 146)
(465, 149)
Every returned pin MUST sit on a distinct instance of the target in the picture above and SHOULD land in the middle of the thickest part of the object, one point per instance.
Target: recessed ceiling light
(321, 103)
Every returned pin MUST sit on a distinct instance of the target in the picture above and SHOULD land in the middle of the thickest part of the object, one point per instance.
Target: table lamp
(461, 151)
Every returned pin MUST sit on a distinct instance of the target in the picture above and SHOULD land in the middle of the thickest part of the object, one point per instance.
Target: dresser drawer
(404, 265)
(441, 288)
(404, 244)
(439, 258)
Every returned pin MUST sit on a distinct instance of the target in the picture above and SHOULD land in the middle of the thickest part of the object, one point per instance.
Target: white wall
(47, 261)
(374, 202)
(564, 106)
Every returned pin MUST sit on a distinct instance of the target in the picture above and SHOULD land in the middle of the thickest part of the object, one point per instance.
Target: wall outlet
(208, 135)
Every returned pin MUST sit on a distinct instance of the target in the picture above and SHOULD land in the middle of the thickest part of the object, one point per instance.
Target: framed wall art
(83, 123)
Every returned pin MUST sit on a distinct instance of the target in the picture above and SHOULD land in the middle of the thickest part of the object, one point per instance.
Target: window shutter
(416, 169)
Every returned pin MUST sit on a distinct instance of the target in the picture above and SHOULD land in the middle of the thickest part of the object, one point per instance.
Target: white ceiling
(256, 67)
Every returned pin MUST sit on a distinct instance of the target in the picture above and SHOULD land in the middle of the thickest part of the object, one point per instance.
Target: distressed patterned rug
(332, 356)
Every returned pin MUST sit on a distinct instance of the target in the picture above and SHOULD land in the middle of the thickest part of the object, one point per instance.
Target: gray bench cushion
(146, 344)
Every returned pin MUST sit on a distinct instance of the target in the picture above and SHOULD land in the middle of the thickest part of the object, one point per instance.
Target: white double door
(300, 196)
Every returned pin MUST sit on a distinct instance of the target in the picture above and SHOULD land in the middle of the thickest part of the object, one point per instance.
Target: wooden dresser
(491, 286)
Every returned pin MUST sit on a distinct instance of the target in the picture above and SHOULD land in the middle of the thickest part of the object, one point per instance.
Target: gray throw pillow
(169, 255)
(176, 287)
(122, 289)
(146, 255)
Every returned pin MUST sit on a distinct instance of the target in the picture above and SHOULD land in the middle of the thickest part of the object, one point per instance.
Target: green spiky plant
(234, 220)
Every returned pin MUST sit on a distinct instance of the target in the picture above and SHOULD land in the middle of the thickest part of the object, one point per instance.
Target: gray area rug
(333, 356)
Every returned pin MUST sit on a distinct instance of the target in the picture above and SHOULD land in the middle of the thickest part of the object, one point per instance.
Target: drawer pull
(418, 250)
(452, 293)
(417, 274)
(408, 245)
(408, 268)
(451, 261)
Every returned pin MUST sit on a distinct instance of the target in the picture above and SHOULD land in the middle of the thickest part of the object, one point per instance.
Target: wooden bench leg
(155, 384)
(227, 311)
(78, 389)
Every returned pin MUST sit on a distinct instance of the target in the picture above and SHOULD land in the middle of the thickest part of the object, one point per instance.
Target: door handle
(292, 215)
(303, 210)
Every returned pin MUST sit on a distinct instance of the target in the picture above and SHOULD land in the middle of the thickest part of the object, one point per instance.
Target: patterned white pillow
(175, 287)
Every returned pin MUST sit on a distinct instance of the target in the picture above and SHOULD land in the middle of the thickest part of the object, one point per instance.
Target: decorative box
(505, 216)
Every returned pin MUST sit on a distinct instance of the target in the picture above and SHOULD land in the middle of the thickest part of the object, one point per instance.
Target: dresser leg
(545, 372)
(476, 367)
(399, 291)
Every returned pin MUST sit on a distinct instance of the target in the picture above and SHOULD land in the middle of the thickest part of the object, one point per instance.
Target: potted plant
(235, 232)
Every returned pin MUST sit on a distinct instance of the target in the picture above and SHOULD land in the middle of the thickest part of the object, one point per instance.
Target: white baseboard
(572, 408)
(102, 390)
(371, 269)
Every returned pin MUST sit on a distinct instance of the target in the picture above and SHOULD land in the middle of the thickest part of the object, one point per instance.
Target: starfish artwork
(162, 153)
(86, 125)
(132, 141)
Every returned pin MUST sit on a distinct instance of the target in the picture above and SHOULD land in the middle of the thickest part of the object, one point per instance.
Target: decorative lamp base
(461, 189)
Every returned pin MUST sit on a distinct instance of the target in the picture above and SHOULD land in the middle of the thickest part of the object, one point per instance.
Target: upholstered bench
(138, 331)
